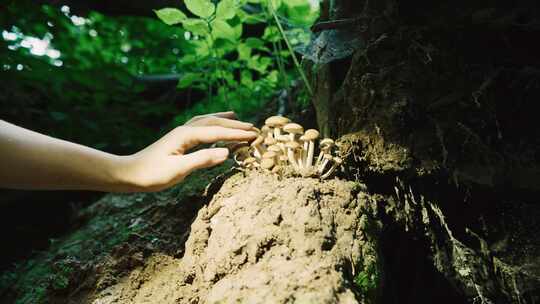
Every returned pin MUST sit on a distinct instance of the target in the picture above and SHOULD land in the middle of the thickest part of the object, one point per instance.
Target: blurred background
(115, 75)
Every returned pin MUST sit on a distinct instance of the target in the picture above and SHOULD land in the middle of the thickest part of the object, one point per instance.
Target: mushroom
(267, 163)
(309, 138)
(292, 146)
(256, 145)
(326, 158)
(276, 122)
(241, 154)
(250, 162)
(293, 128)
(269, 154)
(325, 145)
(337, 162)
(266, 131)
(269, 141)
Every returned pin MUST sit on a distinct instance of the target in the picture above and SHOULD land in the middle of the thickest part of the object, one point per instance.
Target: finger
(229, 115)
(201, 159)
(192, 136)
(222, 122)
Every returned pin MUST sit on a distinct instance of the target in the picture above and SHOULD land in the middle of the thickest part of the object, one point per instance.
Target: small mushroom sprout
(283, 146)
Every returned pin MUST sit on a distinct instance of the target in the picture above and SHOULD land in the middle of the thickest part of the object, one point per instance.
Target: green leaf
(170, 16)
(225, 10)
(187, 79)
(271, 34)
(201, 8)
(221, 29)
(244, 51)
(196, 26)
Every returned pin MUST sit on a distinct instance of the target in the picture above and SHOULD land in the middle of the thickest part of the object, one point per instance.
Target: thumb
(203, 159)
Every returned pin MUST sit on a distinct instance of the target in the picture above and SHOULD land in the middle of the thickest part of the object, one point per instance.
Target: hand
(167, 161)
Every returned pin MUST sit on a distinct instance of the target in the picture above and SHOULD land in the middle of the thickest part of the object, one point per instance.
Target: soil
(249, 243)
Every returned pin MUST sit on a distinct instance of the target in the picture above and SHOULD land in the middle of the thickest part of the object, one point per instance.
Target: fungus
(292, 146)
(256, 145)
(326, 158)
(250, 162)
(267, 163)
(293, 128)
(276, 122)
(325, 145)
(337, 162)
(309, 138)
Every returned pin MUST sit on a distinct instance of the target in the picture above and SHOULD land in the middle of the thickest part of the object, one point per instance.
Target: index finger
(193, 136)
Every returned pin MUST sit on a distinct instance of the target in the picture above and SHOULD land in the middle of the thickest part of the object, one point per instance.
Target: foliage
(367, 280)
(236, 71)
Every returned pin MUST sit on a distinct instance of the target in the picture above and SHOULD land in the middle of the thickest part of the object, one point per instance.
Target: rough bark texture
(436, 110)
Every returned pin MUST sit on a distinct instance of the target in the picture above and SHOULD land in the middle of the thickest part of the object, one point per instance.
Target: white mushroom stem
(292, 159)
(304, 153)
(311, 151)
(323, 164)
(332, 169)
(277, 132)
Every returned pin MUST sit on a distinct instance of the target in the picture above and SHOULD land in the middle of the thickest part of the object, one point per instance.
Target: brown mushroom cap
(267, 163)
(269, 154)
(292, 145)
(257, 141)
(311, 134)
(276, 121)
(293, 128)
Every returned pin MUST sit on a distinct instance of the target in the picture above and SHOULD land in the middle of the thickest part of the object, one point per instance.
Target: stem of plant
(291, 51)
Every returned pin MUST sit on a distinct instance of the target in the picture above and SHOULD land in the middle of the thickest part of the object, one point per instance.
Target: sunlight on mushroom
(283, 146)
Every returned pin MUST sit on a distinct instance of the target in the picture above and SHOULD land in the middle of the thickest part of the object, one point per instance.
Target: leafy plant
(236, 71)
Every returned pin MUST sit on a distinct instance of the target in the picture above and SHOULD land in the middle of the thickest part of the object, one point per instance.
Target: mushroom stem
(311, 151)
(292, 159)
(327, 158)
(337, 162)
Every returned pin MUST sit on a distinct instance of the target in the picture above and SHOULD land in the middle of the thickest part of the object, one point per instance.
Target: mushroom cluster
(283, 146)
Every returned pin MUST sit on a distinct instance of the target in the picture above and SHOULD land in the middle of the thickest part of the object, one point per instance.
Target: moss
(367, 281)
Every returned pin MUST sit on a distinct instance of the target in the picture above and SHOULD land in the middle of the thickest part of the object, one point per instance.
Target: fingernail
(221, 153)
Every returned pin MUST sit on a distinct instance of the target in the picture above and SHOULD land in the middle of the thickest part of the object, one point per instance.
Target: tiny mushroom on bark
(267, 163)
(250, 162)
(325, 146)
(337, 162)
(256, 145)
(326, 158)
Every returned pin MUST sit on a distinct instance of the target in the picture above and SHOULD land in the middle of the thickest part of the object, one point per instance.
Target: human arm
(30, 160)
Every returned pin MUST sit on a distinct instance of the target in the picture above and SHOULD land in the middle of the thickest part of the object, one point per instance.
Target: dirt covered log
(264, 240)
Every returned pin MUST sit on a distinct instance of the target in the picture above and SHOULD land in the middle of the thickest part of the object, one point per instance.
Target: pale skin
(30, 160)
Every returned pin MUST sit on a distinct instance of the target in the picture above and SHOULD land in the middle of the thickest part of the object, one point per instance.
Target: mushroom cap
(326, 142)
(283, 158)
(311, 134)
(269, 141)
(257, 141)
(267, 163)
(292, 145)
(276, 121)
(265, 129)
(338, 160)
(328, 156)
(269, 154)
(250, 160)
(256, 130)
(293, 128)
(274, 148)
(282, 138)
